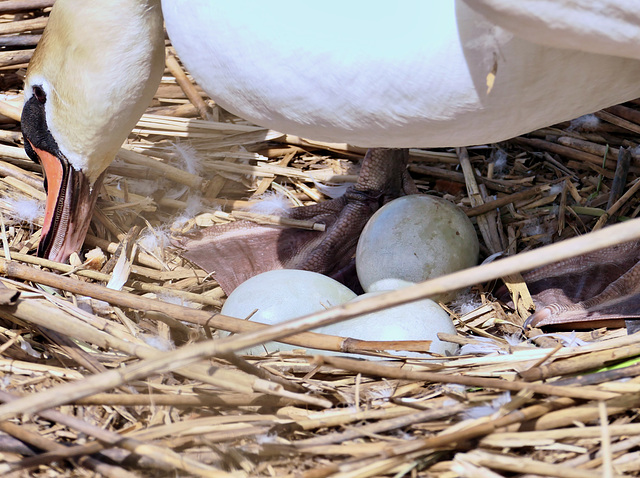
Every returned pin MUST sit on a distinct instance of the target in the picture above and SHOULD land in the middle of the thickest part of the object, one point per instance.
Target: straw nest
(133, 382)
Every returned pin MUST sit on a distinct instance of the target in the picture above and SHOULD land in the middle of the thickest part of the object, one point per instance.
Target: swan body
(420, 74)
(598, 26)
(410, 76)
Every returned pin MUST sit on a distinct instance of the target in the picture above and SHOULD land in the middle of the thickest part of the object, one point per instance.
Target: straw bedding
(132, 382)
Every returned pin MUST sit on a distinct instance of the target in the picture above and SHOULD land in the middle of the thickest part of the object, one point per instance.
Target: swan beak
(70, 203)
(70, 195)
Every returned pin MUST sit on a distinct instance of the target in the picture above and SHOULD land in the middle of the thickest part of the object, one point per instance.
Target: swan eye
(39, 93)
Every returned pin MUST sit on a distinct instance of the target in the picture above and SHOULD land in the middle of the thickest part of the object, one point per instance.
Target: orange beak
(70, 196)
(70, 203)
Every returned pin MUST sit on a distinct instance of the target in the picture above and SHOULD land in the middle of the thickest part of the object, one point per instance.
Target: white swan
(374, 74)
(410, 75)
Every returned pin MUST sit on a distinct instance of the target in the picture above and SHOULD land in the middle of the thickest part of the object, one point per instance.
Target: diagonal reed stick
(191, 353)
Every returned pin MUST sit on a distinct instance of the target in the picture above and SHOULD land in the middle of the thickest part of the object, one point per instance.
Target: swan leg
(235, 252)
(382, 178)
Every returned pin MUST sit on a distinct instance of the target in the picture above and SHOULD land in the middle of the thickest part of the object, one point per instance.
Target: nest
(123, 344)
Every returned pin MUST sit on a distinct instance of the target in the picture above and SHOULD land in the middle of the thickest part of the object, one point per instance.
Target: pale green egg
(412, 239)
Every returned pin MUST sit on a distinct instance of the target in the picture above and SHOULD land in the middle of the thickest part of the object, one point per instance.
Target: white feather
(332, 190)
(588, 122)
(271, 203)
(155, 239)
(187, 157)
(500, 162)
(25, 209)
(158, 342)
(465, 302)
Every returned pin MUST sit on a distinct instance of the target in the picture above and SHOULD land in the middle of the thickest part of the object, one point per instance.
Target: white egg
(285, 294)
(281, 295)
(421, 320)
(415, 238)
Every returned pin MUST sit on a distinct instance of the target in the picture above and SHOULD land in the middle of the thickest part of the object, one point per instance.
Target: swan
(415, 74)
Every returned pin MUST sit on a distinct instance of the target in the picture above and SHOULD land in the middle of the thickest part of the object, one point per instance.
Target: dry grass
(133, 382)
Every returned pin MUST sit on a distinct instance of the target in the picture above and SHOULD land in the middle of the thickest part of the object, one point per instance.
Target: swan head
(91, 77)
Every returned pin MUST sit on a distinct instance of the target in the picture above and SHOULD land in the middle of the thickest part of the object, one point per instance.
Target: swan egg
(415, 238)
(281, 295)
(421, 320)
